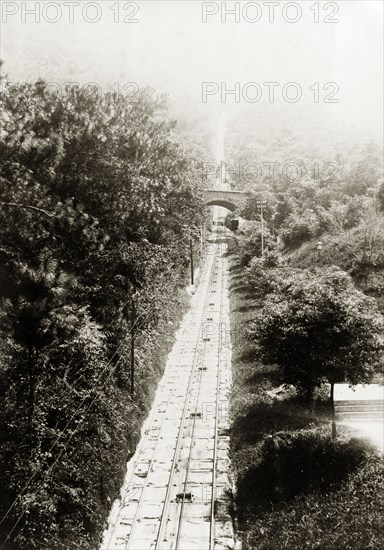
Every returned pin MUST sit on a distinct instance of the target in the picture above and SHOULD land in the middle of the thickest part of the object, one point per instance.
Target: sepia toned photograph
(191, 275)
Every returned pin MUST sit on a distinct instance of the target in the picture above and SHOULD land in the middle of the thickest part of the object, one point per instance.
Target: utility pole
(191, 255)
(261, 204)
(133, 334)
(334, 430)
(319, 248)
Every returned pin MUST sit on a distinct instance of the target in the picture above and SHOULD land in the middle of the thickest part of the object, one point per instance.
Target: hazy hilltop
(116, 54)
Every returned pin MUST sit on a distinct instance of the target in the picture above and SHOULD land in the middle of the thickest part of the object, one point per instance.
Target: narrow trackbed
(175, 492)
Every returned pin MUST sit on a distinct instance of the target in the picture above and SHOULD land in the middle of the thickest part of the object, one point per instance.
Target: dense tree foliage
(317, 327)
(332, 192)
(98, 202)
(308, 315)
(249, 239)
(268, 274)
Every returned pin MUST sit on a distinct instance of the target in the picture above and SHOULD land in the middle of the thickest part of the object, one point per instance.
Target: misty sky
(171, 49)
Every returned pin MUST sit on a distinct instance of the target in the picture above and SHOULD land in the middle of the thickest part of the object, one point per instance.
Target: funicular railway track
(169, 496)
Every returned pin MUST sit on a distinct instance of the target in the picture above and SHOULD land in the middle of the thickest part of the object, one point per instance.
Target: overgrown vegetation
(316, 326)
(296, 486)
(332, 193)
(301, 463)
(348, 518)
(98, 202)
(249, 241)
(306, 317)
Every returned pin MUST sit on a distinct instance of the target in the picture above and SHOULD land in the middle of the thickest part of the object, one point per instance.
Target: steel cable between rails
(181, 517)
(164, 515)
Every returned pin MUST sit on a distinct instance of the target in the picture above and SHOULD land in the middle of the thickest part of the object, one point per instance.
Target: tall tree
(95, 194)
(318, 327)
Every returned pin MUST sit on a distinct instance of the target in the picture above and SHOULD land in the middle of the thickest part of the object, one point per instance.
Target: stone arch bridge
(231, 200)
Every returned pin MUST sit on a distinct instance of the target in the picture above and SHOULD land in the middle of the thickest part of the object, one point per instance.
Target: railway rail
(169, 496)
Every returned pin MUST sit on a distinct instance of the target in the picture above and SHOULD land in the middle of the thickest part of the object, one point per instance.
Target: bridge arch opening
(223, 203)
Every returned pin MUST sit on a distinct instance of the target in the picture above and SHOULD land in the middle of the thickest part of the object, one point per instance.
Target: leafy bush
(268, 274)
(348, 518)
(293, 464)
(249, 241)
(300, 228)
(320, 327)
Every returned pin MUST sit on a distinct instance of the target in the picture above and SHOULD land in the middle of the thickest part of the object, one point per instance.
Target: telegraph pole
(261, 204)
(133, 331)
(191, 255)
